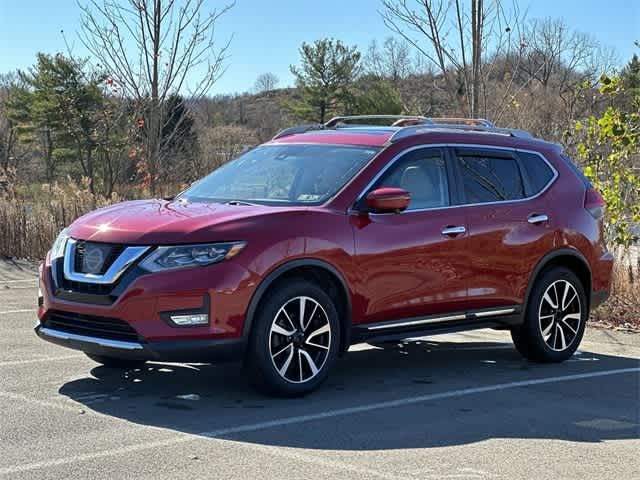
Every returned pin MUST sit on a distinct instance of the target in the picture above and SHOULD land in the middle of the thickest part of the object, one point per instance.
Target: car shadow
(213, 400)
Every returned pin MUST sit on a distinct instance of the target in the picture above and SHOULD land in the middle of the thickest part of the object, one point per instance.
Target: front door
(414, 263)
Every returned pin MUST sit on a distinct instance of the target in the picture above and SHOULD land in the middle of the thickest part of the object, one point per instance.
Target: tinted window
(489, 179)
(423, 174)
(537, 171)
(283, 174)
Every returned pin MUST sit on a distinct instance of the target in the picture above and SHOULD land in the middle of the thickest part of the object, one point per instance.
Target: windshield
(283, 174)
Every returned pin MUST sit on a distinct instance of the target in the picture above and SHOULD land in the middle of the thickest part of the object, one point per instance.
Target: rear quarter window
(536, 171)
(576, 170)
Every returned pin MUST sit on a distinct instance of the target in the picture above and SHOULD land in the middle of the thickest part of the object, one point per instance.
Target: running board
(440, 323)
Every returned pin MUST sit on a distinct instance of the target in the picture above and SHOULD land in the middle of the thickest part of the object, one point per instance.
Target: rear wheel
(112, 362)
(555, 317)
(294, 341)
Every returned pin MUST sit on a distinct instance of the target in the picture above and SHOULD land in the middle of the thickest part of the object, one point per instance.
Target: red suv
(336, 234)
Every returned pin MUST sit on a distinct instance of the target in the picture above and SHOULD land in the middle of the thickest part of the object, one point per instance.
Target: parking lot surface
(462, 406)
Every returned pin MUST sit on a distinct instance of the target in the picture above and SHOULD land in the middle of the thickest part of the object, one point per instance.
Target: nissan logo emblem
(93, 260)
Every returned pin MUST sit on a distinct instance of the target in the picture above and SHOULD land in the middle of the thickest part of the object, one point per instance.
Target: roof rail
(411, 125)
(420, 129)
(298, 129)
(400, 120)
(482, 122)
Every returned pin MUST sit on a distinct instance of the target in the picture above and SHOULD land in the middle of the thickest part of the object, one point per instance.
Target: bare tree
(554, 68)
(266, 82)
(456, 41)
(391, 60)
(153, 49)
(8, 133)
(557, 53)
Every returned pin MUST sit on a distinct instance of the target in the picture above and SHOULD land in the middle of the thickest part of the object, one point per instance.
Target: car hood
(161, 222)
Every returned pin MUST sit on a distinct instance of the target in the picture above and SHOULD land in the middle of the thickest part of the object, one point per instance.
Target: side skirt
(499, 318)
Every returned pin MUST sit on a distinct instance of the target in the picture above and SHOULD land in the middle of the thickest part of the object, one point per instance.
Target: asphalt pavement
(462, 406)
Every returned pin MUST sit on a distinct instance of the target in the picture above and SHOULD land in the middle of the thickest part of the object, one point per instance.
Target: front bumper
(199, 350)
(223, 290)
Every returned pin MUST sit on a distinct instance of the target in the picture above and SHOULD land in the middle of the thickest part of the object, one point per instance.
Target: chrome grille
(105, 255)
(107, 264)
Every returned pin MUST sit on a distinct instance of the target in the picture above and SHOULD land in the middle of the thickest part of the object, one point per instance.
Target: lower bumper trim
(200, 350)
(103, 342)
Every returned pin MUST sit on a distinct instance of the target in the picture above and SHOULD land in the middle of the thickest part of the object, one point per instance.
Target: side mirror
(388, 200)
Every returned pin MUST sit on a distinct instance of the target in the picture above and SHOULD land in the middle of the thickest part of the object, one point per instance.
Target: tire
(287, 359)
(112, 362)
(555, 317)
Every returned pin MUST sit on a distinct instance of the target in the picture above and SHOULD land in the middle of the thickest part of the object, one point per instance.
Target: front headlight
(180, 256)
(57, 250)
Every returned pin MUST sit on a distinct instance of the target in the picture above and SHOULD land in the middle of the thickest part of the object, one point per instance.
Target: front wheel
(295, 339)
(555, 317)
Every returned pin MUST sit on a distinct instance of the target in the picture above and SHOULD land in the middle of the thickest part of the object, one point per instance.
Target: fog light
(190, 319)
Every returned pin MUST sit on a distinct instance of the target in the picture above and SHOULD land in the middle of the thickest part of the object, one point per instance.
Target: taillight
(594, 203)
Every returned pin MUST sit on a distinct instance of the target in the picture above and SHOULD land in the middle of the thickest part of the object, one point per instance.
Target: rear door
(413, 264)
(509, 220)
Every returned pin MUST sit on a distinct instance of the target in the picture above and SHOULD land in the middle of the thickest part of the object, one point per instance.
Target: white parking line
(34, 279)
(24, 310)
(36, 360)
(182, 438)
(43, 403)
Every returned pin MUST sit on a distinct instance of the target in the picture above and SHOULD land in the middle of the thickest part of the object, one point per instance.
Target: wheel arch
(316, 270)
(563, 257)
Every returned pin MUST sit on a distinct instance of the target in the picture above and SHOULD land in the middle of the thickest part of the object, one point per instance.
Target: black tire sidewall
(263, 373)
(529, 339)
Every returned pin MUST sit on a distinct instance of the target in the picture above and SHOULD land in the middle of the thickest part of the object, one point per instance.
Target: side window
(489, 179)
(423, 174)
(536, 170)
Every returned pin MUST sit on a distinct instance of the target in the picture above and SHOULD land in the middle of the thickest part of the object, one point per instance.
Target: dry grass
(622, 310)
(32, 216)
(28, 226)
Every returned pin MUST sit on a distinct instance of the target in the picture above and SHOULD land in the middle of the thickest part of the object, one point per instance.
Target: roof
(380, 136)
(365, 136)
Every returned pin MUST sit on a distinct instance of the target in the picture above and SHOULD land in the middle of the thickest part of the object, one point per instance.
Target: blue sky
(267, 33)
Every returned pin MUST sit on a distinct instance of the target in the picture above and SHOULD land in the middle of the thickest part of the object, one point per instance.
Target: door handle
(535, 218)
(451, 230)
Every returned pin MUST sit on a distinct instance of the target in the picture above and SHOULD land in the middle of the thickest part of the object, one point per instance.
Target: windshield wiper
(240, 203)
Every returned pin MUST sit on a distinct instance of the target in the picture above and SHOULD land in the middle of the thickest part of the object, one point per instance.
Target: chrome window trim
(117, 268)
(103, 342)
(464, 205)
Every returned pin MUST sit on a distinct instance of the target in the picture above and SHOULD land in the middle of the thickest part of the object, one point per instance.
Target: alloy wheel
(300, 339)
(559, 315)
